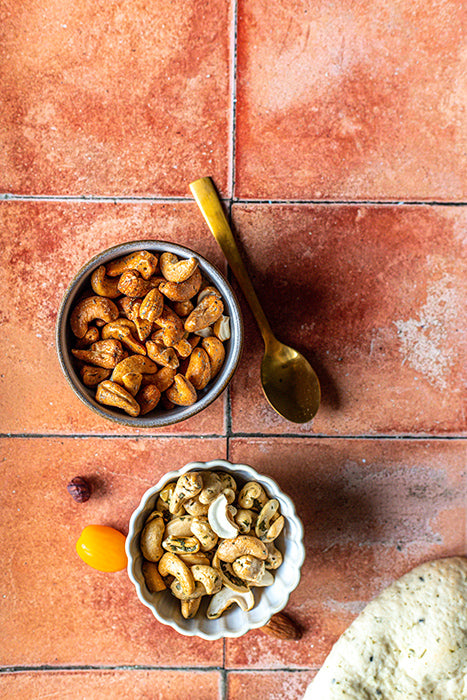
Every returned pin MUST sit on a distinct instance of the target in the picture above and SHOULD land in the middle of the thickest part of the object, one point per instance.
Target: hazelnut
(79, 489)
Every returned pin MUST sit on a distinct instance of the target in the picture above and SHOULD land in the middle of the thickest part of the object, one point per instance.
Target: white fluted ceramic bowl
(268, 600)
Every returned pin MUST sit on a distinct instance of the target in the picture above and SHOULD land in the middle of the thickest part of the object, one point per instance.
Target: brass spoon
(288, 380)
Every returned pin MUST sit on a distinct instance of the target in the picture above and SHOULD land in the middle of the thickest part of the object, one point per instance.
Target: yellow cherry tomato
(102, 547)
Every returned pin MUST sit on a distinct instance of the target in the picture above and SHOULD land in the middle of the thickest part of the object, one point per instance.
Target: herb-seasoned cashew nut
(189, 608)
(269, 526)
(180, 526)
(172, 565)
(178, 592)
(245, 520)
(151, 538)
(208, 576)
(187, 486)
(252, 496)
(112, 394)
(274, 558)
(231, 549)
(183, 545)
(102, 285)
(171, 325)
(204, 533)
(212, 486)
(142, 261)
(225, 598)
(152, 577)
(175, 270)
(88, 310)
(249, 568)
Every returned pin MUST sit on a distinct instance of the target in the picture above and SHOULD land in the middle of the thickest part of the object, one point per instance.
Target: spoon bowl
(289, 382)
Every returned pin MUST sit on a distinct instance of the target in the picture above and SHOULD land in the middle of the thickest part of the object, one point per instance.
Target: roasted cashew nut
(91, 336)
(134, 364)
(216, 353)
(88, 310)
(222, 328)
(252, 496)
(92, 376)
(194, 559)
(132, 382)
(162, 355)
(102, 285)
(175, 270)
(164, 378)
(148, 397)
(208, 576)
(172, 326)
(205, 314)
(229, 578)
(186, 487)
(105, 353)
(182, 392)
(132, 285)
(199, 369)
(142, 261)
(152, 305)
(231, 549)
(121, 329)
(183, 308)
(112, 394)
(182, 291)
(172, 565)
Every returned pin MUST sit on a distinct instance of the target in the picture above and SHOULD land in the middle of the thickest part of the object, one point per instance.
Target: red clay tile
(351, 100)
(115, 684)
(372, 510)
(281, 685)
(55, 609)
(375, 297)
(114, 99)
(44, 245)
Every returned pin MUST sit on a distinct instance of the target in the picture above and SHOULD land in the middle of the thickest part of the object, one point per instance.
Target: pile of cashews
(151, 329)
(208, 537)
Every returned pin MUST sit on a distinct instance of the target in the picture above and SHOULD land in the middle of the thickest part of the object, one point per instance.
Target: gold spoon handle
(208, 201)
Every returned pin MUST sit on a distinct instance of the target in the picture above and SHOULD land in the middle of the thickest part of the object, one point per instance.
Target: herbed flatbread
(409, 643)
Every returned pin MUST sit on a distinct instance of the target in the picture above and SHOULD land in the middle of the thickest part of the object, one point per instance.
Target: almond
(282, 627)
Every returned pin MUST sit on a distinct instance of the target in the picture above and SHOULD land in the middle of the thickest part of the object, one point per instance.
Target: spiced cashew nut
(175, 270)
(142, 261)
(112, 394)
(102, 285)
(88, 310)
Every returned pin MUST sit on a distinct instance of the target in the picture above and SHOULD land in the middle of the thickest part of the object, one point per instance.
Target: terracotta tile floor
(336, 134)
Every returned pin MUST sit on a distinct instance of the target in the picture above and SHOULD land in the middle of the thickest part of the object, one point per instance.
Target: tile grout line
(233, 99)
(229, 435)
(104, 199)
